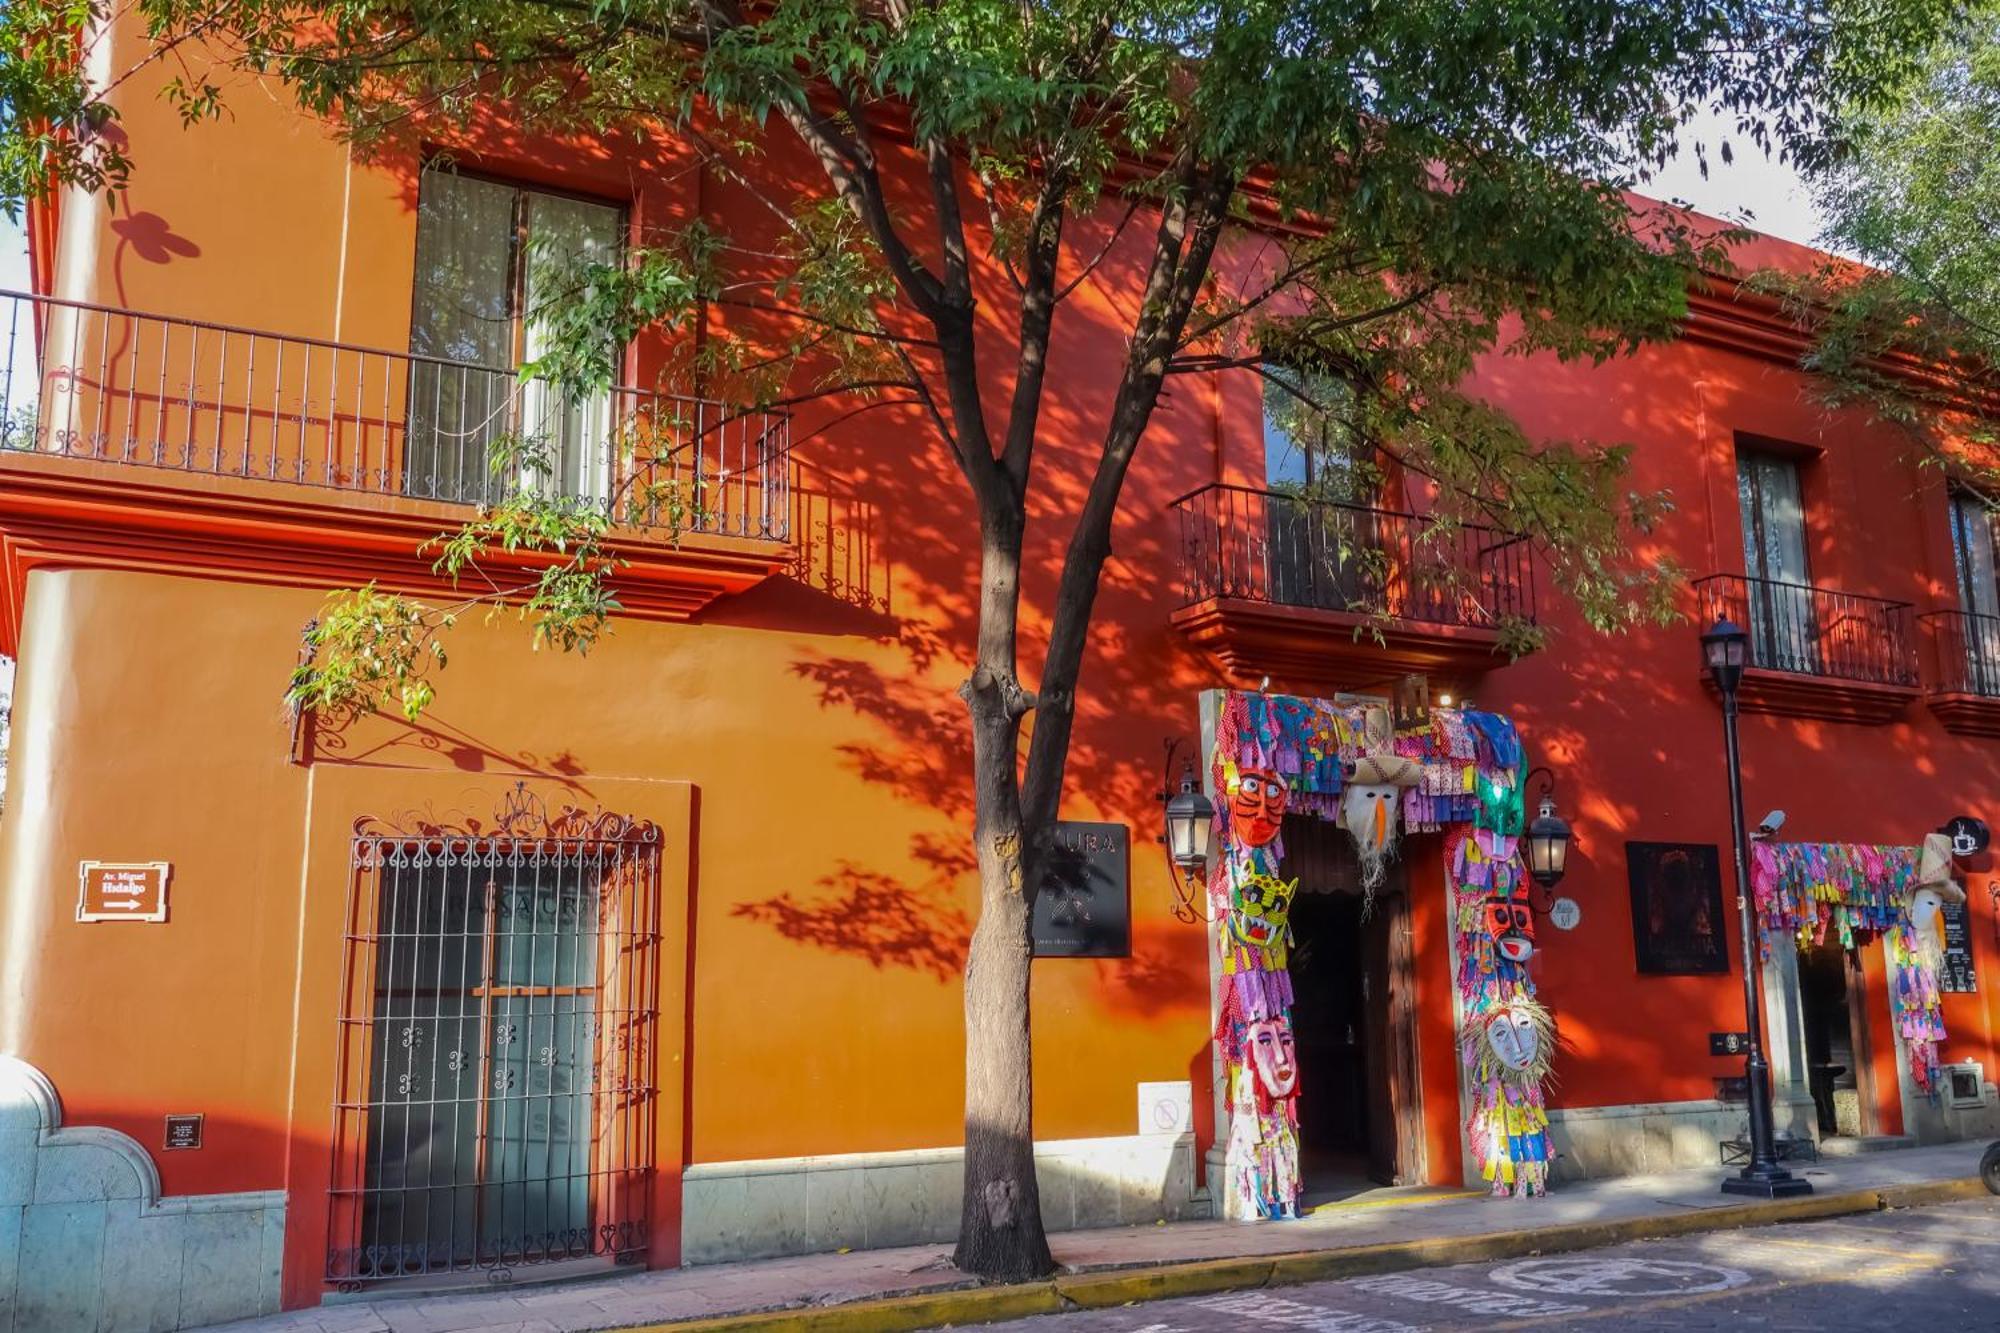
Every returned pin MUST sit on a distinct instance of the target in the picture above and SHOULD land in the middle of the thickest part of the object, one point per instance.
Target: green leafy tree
(1373, 195)
(1913, 333)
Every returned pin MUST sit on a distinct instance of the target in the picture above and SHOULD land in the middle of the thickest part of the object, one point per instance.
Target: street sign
(183, 1131)
(122, 891)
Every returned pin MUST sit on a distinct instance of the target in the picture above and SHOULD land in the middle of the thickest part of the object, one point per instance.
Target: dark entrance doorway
(1353, 1019)
(1832, 1012)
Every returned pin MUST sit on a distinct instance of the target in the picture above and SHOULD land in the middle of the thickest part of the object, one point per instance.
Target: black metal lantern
(1190, 820)
(1548, 844)
(1725, 648)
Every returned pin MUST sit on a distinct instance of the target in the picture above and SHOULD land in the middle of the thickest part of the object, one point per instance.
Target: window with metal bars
(494, 1093)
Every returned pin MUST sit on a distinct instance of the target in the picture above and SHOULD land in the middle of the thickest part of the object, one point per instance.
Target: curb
(1128, 1286)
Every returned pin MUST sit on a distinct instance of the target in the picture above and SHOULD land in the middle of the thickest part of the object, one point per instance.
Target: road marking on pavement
(1410, 1287)
(1628, 1309)
(1264, 1308)
(1617, 1276)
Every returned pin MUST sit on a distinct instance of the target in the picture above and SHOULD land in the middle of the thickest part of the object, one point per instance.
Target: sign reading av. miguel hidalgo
(122, 891)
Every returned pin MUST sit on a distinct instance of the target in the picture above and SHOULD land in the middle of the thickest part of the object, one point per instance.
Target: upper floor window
(1972, 547)
(1309, 440)
(1783, 624)
(489, 256)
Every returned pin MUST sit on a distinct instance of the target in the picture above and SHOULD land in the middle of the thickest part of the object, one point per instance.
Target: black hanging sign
(1084, 908)
(1955, 973)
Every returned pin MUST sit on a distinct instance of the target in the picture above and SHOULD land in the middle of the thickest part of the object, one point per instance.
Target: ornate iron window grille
(494, 1099)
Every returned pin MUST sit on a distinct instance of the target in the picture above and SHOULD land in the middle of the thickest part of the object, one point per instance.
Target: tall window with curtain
(1784, 629)
(490, 257)
(1973, 551)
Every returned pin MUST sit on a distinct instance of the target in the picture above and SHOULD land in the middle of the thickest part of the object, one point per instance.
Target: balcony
(1963, 689)
(249, 452)
(1314, 593)
(1817, 652)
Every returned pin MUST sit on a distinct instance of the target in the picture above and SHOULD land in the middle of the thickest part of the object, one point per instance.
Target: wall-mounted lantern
(1548, 836)
(1190, 821)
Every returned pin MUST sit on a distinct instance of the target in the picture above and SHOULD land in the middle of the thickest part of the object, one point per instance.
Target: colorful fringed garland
(1507, 1125)
(1809, 892)
(1470, 764)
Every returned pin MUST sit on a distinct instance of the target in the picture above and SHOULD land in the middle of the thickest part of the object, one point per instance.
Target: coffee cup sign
(122, 890)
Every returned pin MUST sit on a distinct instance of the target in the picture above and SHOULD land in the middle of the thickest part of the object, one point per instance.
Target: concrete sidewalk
(1379, 1231)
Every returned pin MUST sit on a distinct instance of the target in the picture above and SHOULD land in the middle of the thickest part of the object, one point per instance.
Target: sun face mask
(1257, 806)
(1512, 927)
(1263, 907)
(1269, 1042)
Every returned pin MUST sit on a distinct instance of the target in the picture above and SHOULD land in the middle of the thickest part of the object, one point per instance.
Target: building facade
(651, 956)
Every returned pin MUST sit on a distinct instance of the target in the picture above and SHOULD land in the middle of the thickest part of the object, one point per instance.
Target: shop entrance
(1353, 1020)
(1832, 1011)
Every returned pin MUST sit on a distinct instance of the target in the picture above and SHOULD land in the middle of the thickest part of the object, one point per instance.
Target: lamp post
(1724, 648)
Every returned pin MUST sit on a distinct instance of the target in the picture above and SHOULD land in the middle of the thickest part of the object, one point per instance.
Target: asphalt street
(1933, 1268)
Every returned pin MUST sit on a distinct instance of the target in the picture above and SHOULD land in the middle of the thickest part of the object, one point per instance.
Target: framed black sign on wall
(1084, 907)
(1677, 921)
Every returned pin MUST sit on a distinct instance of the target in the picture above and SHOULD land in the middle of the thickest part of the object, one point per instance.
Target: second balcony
(1316, 593)
(1817, 652)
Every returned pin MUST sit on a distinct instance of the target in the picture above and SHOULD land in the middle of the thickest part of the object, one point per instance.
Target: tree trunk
(1000, 1232)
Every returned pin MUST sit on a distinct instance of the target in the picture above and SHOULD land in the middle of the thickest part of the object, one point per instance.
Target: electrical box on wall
(1964, 1084)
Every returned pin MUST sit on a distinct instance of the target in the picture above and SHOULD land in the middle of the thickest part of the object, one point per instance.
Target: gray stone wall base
(88, 1245)
(801, 1205)
(1595, 1142)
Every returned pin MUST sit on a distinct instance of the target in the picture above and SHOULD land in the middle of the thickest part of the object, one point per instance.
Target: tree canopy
(1915, 335)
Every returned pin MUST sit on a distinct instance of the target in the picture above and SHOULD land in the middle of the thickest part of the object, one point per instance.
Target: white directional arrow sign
(122, 891)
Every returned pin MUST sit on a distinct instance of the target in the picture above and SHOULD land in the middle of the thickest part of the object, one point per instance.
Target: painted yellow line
(1396, 1201)
(1867, 1251)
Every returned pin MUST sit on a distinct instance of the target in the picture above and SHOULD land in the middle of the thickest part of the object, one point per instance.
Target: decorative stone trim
(88, 1243)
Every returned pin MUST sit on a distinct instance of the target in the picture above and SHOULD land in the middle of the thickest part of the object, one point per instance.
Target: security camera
(1769, 826)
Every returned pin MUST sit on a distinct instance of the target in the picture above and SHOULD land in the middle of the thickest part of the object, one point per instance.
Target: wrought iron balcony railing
(1816, 631)
(186, 396)
(1281, 549)
(1965, 649)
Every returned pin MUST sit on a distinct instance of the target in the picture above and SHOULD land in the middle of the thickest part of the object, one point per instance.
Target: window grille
(495, 1096)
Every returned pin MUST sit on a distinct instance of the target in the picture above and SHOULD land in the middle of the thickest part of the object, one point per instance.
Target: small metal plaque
(1728, 1043)
(1564, 913)
(183, 1131)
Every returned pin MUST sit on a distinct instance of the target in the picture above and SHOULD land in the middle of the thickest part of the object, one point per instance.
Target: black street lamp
(1724, 649)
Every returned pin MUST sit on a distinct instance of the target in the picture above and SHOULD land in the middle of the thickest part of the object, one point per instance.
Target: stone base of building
(801, 1205)
(89, 1245)
(1593, 1142)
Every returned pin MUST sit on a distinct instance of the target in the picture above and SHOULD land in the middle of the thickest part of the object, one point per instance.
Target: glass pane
(570, 428)
(462, 315)
(1285, 458)
(537, 1184)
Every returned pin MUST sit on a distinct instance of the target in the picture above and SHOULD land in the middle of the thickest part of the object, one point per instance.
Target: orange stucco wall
(808, 736)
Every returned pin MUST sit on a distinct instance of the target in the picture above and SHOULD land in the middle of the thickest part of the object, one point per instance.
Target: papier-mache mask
(1368, 808)
(1263, 907)
(1257, 805)
(1511, 924)
(1269, 1042)
(1518, 1037)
